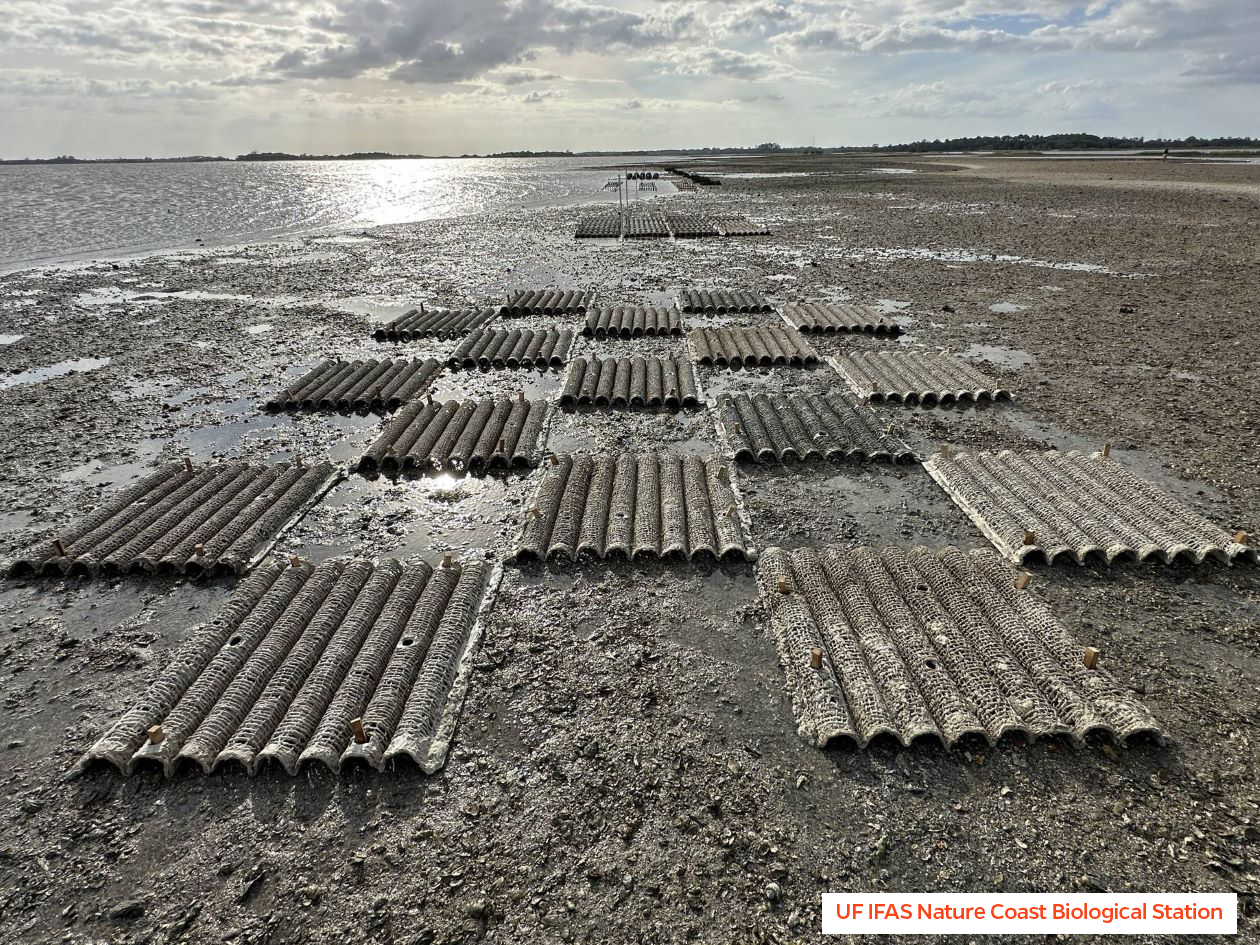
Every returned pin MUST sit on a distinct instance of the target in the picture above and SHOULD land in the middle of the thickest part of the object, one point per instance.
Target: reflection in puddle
(60, 369)
(10, 339)
(260, 329)
(1006, 308)
(967, 256)
(995, 354)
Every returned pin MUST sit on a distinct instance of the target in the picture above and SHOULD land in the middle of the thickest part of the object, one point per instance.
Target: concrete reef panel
(684, 226)
(632, 321)
(603, 226)
(645, 226)
(185, 519)
(764, 428)
(441, 323)
(345, 662)
(1040, 507)
(721, 301)
(472, 436)
(548, 302)
(630, 382)
(635, 506)
(514, 348)
(917, 377)
(764, 346)
(830, 318)
(940, 646)
(357, 385)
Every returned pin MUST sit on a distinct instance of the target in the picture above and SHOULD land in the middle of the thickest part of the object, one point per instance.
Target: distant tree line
(1071, 141)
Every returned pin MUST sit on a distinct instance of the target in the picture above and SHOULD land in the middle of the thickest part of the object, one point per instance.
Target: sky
(101, 78)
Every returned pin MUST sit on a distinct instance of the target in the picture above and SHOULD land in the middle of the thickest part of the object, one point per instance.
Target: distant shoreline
(1004, 144)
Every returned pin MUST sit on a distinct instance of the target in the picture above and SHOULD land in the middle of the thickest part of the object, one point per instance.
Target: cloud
(540, 95)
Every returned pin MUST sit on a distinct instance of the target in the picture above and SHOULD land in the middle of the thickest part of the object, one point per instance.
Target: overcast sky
(118, 77)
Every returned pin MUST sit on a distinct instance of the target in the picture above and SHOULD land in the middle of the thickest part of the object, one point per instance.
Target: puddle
(415, 517)
(10, 339)
(274, 438)
(995, 354)
(877, 254)
(377, 309)
(766, 175)
(1006, 308)
(60, 369)
(260, 329)
(1188, 376)
(892, 170)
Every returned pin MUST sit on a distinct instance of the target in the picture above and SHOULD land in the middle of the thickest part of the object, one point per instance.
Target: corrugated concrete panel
(721, 301)
(515, 348)
(763, 346)
(358, 385)
(632, 321)
(795, 427)
(830, 318)
(645, 226)
(548, 302)
(630, 382)
(346, 662)
(472, 436)
(917, 377)
(439, 323)
(185, 519)
(601, 226)
(690, 225)
(635, 506)
(919, 644)
(1039, 507)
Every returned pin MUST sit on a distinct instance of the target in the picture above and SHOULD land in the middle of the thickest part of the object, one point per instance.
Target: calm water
(66, 212)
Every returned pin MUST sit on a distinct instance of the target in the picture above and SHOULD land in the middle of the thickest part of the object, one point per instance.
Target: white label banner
(1029, 914)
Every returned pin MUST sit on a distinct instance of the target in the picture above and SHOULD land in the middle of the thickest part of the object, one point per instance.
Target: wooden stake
(199, 549)
(555, 460)
(295, 561)
(356, 728)
(944, 452)
(446, 560)
(520, 396)
(1240, 538)
(188, 464)
(1106, 450)
(739, 428)
(59, 546)
(815, 658)
(1023, 581)
(155, 734)
(502, 444)
(1030, 538)
(1090, 657)
(784, 588)
(297, 460)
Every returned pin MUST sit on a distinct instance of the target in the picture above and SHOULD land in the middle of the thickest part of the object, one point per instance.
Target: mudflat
(626, 767)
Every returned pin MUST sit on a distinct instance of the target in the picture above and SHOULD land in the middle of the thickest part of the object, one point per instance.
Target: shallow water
(51, 213)
(60, 369)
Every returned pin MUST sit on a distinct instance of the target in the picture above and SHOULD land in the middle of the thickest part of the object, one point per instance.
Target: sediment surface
(627, 766)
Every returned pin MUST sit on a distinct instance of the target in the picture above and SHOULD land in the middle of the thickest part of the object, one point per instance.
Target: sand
(626, 767)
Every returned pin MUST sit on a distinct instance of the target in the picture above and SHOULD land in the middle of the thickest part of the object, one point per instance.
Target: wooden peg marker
(502, 444)
(1023, 581)
(1030, 538)
(520, 396)
(446, 560)
(59, 546)
(295, 561)
(429, 399)
(199, 549)
(356, 728)
(815, 658)
(1240, 538)
(1106, 450)
(784, 587)
(155, 734)
(188, 464)
(555, 460)
(722, 473)
(739, 428)
(1090, 657)
(421, 306)
(944, 452)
